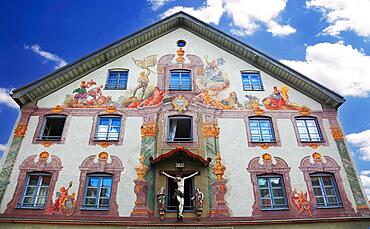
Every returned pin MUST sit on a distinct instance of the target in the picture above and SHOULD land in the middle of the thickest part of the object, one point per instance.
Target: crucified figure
(180, 188)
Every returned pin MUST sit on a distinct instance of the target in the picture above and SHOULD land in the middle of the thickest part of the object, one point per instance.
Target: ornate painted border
(93, 164)
(332, 167)
(34, 164)
(255, 168)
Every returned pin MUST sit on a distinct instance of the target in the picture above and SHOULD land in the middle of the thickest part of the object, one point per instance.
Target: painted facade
(229, 162)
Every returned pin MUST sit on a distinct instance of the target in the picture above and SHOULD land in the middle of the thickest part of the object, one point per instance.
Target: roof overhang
(179, 152)
(63, 76)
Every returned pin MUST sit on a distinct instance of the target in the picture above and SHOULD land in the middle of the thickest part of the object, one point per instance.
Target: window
(180, 80)
(308, 130)
(252, 81)
(325, 190)
(272, 192)
(180, 129)
(117, 80)
(172, 203)
(261, 130)
(108, 128)
(98, 191)
(53, 127)
(35, 191)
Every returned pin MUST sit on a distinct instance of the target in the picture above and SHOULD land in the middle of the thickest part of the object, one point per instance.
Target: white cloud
(3, 147)
(344, 15)
(6, 99)
(156, 4)
(339, 67)
(362, 141)
(210, 12)
(59, 62)
(365, 178)
(247, 15)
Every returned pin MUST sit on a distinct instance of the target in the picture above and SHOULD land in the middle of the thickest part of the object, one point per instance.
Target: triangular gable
(31, 93)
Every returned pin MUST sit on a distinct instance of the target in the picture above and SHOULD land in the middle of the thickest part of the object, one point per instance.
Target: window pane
(277, 193)
(33, 180)
(46, 180)
(262, 182)
(105, 192)
(107, 182)
(264, 193)
(30, 191)
(315, 181)
(320, 200)
(27, 200)
(317, 191)
(104, 203)
(43, 191)
(90, 201)
(41, 201)
(92, 192)
(327, 180)
(93, 181)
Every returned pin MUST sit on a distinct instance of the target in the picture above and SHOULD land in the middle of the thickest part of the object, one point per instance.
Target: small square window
(117, 80)
(98, 191)
(180, 129)
(308, 130)
(180, 80)
(325, 190)
(53, 128)
(108, 128)
(35, 191)
(252, 81)
(261, 130)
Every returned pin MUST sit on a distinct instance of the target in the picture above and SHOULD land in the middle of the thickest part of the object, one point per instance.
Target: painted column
(361, 203)
(14, 147)
(148, 149)
(141, 191)
(211, 133)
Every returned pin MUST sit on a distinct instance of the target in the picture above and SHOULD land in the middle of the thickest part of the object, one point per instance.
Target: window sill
(331, 207)
(105, 140)
(94, 209)
(30, 208)
(115, 89)
(310, 142)
(274, 209)
(170, 142)
(254, 90)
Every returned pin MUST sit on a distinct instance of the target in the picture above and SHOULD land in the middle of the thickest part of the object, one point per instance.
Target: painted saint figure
(180, 188)
(198, 199)
(161, 197)
(143, 82)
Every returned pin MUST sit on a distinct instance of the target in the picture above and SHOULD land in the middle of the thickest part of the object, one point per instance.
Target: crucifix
(180, 181)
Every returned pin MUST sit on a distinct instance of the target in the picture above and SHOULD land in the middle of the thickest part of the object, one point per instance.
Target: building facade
(179, 119)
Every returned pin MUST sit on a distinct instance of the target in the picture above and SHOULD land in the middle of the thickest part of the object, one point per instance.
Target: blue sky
(327, 40)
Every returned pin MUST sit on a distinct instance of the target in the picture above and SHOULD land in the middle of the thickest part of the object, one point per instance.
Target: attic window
(180, 80)
(117, 79)
(252, 81)
(180, 129)
(53, 128)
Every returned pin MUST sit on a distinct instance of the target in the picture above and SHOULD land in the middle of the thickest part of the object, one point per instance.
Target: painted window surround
(40, 125)
(276, 143)
(320, 124)
(91, 165)
(195, 122)
(93, 141)
(30, 164)
(280, 168)
(327, 165)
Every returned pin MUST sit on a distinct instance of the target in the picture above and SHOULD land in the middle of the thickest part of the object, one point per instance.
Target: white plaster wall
(236, 155)
(167, 45)
(75, 150)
